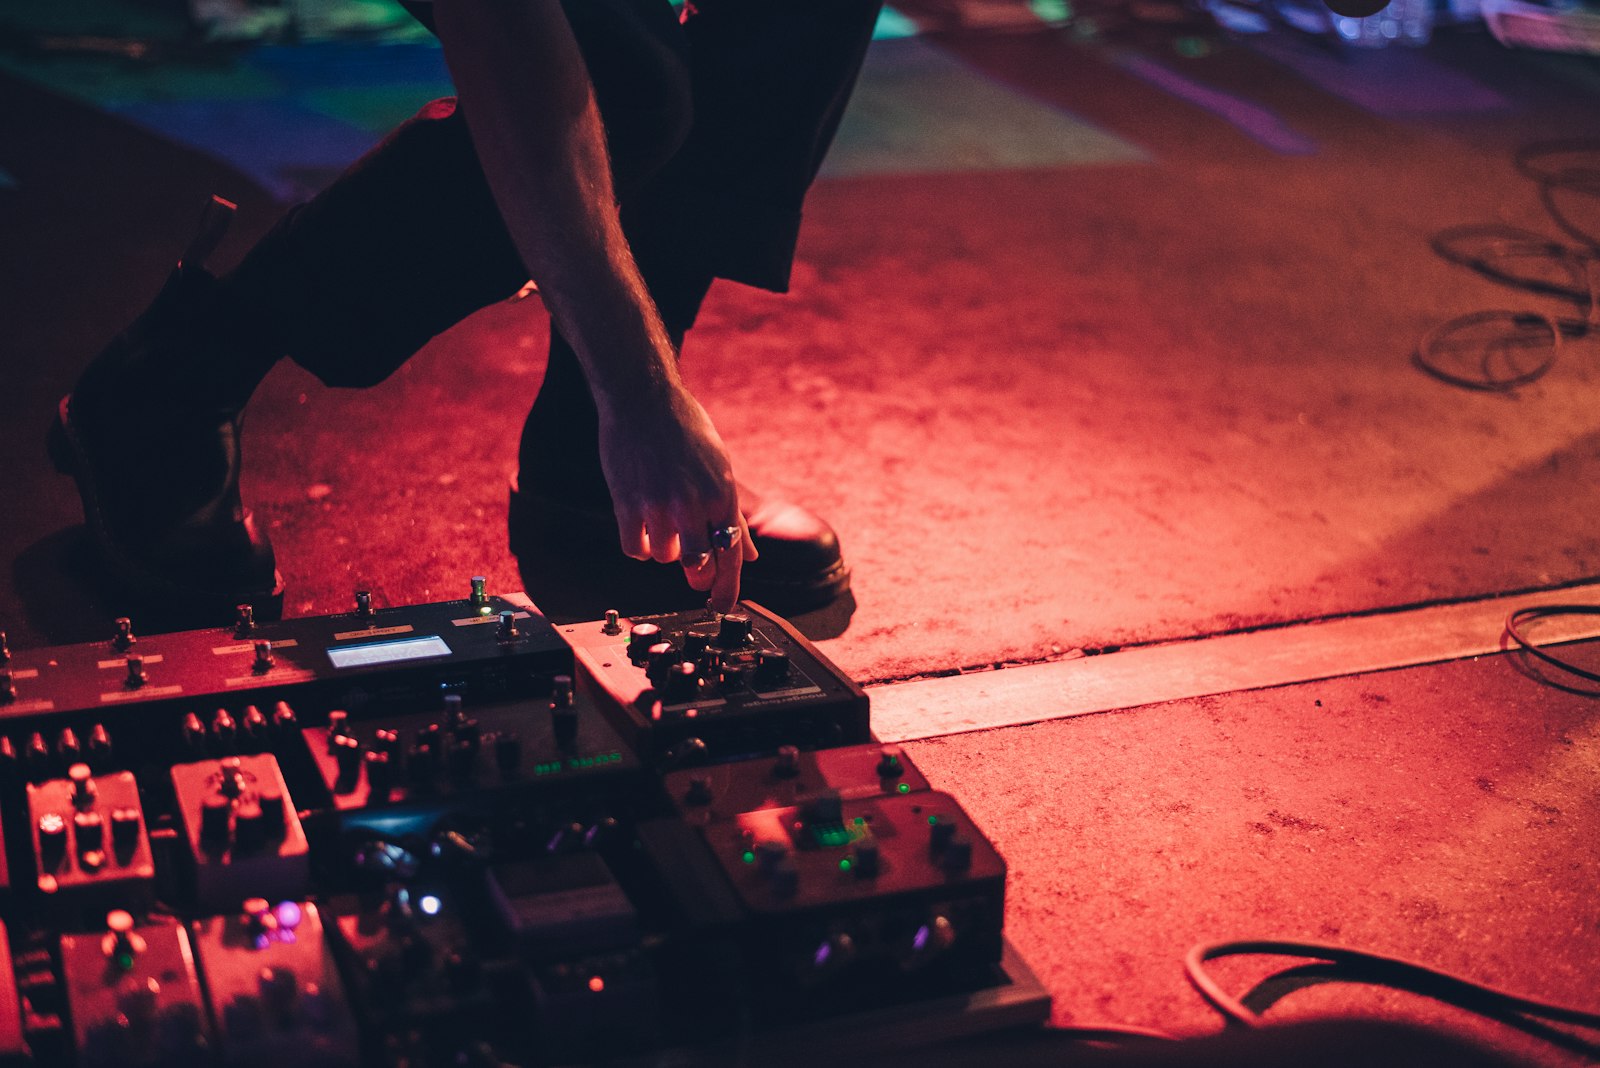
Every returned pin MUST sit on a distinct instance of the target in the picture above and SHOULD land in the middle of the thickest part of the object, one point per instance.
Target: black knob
(52, 838)
(364, 604)
(224, 731)
(956, 855)
(244, 620)
(283, 719)
(68, 746)
(83, 788)
(480, 592)
(640, 639)
(256, 727)
(772, 666)
(734, 630)
(338, 725)
(825, 808)
(661, 657)
(124, 636)
(124, 831)
(695, 644)
(136, 674)
(386, 740)
(890, 765)
(788, 762)
(216, 819)
(250, 826)
(100, 748)
(380, 775)
(612, 624)
(452, 710)
(38, 757)
(194, 733)
(508, 753)
(347, 754)
(507, 629)
(941, 829)
(264, 658)
(682, 682)
(273, 810)
(88, 831)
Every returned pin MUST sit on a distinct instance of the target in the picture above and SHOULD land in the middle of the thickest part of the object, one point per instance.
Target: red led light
(596, 983)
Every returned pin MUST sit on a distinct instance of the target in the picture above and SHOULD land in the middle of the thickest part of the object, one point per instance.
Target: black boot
(156, 455)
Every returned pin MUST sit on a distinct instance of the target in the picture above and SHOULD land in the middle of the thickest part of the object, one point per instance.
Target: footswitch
(133, 995)
(90, 840)
(274, 990)
(244, 834)
(691, 688)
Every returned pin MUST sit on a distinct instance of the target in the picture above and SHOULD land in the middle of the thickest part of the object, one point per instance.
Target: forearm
(526, 97)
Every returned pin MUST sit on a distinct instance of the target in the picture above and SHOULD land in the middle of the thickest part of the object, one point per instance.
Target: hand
(671, 485)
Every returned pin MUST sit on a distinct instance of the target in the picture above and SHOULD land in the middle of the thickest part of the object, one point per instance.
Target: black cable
(1528, 615)
(1494, 251)
(1111, 1034)
(1395, 972)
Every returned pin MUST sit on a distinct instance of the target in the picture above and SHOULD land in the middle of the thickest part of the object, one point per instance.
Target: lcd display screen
(349, 656)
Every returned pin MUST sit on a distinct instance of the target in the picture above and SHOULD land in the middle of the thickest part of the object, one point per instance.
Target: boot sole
(536, 521)
(70, 458)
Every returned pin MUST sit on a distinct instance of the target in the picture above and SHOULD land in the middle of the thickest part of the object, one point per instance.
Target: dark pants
(716, 127)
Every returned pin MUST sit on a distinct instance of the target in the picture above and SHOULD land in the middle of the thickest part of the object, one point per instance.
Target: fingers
(630, 532)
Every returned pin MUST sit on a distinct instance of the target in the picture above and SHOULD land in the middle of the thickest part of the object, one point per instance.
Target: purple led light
(289, 915)
(920, 942)
(824, 951)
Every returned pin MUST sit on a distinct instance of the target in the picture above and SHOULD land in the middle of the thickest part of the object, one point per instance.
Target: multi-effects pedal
(456, 834)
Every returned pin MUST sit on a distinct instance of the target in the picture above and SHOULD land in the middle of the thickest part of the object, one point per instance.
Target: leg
(402, 246)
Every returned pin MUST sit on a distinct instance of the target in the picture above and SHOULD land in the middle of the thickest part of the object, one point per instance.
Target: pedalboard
(455, 834)
(692, 687)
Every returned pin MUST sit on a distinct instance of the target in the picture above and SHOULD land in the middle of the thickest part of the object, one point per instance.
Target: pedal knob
(772, 666)
(683, 682)
(52, 838)
(88, 831)
(264, 658)
(124, 828)
(480, 592)
(100, 747)
(788, 763)
(231, 777)
(244, 620)
(121, 942)
(364, 604)
(250, 826)
(136, 675)
(640, 638)
(347, 755)
(956, 855)
(508, 752)
(216, 817)
(734, 630)
(507, 630)
(273, 811)
(452, 710)
(83, 788)
(124, 636)
(941, 830)
(660, 657)
(612, 625)
(890, 766)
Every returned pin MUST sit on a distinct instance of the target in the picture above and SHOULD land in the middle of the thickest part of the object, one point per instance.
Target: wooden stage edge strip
(1280, 656)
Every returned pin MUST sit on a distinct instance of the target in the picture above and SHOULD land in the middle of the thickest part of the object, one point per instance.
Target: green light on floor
(749, 857)
(844, 865)
(904, 788)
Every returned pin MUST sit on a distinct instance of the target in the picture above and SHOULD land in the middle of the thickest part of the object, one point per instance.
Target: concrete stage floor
(1101, 337)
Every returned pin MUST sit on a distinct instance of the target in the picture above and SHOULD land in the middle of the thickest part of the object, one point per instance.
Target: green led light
(861, 821)
(844, 865)
(933, 821)
(749, 857)
(904, 788)
(125, 961)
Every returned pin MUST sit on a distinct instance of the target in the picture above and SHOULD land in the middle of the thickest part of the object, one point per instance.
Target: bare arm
(528, 103)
